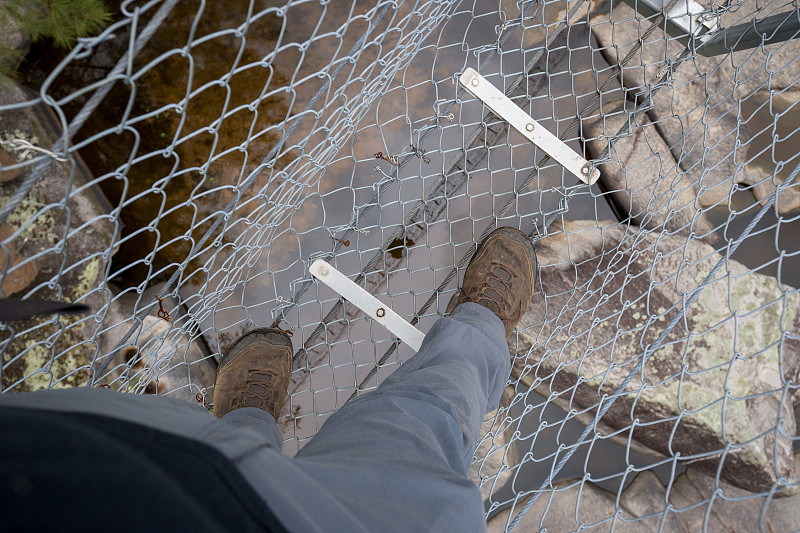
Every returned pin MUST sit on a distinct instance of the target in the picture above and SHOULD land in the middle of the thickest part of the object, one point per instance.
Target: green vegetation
(63, 21)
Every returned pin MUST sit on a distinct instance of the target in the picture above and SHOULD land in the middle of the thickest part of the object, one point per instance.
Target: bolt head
(380, 312)
(529, 126)
(474, 82)
(585, 170)
(323, 271)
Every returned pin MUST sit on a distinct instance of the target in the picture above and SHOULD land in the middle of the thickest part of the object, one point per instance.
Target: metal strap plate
(373, 307)
(504, 108)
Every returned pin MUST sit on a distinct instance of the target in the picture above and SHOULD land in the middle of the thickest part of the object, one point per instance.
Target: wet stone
(616, 288)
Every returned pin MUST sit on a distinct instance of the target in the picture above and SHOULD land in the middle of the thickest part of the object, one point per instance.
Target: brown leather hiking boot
(254, 373)
(500, 276)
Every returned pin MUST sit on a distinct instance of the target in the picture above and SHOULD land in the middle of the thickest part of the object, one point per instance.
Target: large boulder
(717, 387)
(699, 111)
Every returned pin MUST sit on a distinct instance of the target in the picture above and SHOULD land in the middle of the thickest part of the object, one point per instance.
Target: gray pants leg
(394, 459)
(400, 454)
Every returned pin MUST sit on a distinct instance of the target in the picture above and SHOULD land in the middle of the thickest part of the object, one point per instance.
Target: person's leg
(245, 436)
(252, 381)
(458, 375)
(259, 421)
(256, 365)
(398, 457)
(249, 392)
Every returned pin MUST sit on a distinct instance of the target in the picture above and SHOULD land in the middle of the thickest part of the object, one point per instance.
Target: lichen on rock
(717, 384)
(62, 229)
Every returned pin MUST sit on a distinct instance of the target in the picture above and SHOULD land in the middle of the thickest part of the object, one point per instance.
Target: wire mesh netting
(179, 173)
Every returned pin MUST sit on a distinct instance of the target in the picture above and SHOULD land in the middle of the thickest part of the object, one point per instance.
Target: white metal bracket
(373, 307)
(686, 18)
(503, 107)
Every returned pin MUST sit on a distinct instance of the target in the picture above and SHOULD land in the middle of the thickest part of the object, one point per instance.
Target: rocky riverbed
(720, 384)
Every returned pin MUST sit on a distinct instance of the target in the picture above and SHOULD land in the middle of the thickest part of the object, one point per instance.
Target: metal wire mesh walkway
(179, 173)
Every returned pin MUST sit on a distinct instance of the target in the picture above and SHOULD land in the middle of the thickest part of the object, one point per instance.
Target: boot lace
(260, 388)
(487, 295)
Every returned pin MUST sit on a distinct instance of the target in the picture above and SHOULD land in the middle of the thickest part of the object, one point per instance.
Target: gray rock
(763, 150)
(783, 514)
(643, 505)
(61, 226)
(642, 174)
(157, 358)
(584, 418)
(698, 111)
(644, 496)
(611, 289)
(569, 505)
(642, 502)
(12, 37)
(764, 185)
(692, 493)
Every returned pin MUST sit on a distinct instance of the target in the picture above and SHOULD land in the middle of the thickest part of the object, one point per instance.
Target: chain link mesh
(179, 173)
